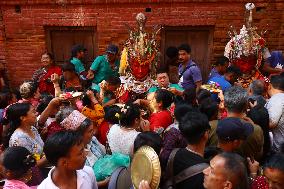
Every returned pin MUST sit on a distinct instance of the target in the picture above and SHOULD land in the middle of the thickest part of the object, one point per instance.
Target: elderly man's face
(163, 80)
(215, 175)
(275, 178)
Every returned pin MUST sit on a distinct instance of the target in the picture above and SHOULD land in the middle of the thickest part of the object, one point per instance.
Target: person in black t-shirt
(195, 128)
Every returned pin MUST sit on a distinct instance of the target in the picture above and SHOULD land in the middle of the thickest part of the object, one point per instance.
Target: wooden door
(200, 40)
(61, 39)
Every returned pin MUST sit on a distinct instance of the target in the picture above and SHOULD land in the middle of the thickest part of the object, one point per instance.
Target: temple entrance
(199, 38)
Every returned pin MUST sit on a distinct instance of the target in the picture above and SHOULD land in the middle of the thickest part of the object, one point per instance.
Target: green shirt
(79, 67)
(176, 86)
(103, 69)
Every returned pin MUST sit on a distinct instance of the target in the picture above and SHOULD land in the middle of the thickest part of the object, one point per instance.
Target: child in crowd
(17, 162)
(65, 150)
(92, 109)
(111, 91)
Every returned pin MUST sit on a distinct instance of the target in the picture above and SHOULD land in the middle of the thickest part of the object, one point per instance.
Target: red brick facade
(22, 35)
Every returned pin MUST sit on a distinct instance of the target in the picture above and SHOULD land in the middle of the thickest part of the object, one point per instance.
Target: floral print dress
(34, 145)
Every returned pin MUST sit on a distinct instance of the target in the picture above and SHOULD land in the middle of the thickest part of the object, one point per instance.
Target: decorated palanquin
(245, 50)
(139, 58)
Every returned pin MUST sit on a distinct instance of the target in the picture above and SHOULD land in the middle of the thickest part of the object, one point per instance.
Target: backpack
(181, 74)
(171, 180)
(114, 177)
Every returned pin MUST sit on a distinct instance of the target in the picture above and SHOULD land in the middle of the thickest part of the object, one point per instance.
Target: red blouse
(44, 84)
(160, 120)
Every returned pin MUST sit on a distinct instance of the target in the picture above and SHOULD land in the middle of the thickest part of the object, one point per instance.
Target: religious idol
(139, 58)
(245, 50)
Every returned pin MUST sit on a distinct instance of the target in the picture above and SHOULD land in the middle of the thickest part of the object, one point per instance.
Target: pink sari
(16, 184)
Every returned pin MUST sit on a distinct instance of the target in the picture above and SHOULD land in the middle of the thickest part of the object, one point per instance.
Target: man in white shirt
(275, 107)
(65, 150)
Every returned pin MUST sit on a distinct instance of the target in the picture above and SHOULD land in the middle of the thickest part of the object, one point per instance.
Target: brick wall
(22, 36)
(2, 39)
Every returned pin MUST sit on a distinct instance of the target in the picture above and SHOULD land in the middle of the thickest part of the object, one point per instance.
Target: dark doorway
(199, 38)
(61, 39)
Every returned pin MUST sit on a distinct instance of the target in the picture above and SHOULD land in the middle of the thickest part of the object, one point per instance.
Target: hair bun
(29, 161)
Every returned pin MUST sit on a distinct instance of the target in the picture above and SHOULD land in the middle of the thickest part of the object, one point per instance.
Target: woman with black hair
(121, 136)
(109, 120)
(21, 132)
(161, 118)
(42, 76)
(17, 162)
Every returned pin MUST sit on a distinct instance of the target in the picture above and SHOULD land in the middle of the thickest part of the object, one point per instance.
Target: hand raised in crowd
(175, 91)
(252, 104)
(91, 96)
(221, 98)
(103, 85)
(50, 109)
(54, 78)
(253, 167)
(55, 102)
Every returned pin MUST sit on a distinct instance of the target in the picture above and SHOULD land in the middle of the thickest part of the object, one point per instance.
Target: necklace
(190, 150)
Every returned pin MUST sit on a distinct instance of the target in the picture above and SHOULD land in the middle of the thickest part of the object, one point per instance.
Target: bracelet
(55, 86)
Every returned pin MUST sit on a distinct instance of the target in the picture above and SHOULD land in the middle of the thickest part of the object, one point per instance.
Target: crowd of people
(231, 139)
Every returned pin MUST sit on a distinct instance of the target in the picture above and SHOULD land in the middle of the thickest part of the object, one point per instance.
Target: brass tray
(146, 166)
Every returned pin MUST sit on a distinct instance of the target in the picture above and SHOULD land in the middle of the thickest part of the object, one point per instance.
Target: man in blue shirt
(219, 68)
(228, 79)
(274, 64)
(189, 72)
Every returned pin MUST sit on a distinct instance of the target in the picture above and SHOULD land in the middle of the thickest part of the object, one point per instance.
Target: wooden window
(61, 39)
(199, 38)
